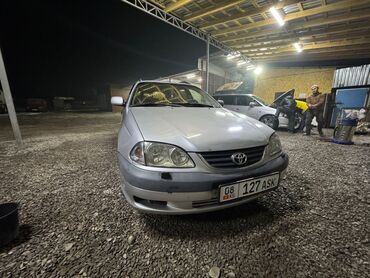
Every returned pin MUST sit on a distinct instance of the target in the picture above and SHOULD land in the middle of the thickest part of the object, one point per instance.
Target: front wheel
(298, 122)
(271, 121)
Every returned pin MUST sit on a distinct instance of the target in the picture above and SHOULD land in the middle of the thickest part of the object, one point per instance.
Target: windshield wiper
(157, 104)
(188, 104)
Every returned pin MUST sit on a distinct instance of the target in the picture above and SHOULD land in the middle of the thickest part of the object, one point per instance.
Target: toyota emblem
(239, 158)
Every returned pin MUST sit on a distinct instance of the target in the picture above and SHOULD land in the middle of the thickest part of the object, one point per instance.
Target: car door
(242, 106)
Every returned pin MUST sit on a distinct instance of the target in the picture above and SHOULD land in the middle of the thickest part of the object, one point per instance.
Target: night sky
(68, 48)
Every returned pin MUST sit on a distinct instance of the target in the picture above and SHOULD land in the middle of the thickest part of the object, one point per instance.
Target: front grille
(222, 159)
(205, 203)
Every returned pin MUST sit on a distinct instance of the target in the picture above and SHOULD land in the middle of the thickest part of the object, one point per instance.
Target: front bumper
(186, 192)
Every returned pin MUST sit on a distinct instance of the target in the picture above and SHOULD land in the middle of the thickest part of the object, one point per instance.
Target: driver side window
(243, 100)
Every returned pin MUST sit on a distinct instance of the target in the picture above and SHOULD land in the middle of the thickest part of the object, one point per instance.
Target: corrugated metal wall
(353, 76)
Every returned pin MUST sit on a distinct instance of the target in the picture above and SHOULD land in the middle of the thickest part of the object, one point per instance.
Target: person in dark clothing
(315, 109)
(288, 107)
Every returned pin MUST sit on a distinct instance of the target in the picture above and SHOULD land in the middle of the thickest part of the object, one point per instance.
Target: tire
(271, 121)
(298, 122)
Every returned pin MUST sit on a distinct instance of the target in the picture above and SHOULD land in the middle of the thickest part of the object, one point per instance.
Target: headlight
(274, 145)
(160, 155)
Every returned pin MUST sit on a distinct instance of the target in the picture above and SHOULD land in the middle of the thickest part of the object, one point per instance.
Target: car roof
(251, 95)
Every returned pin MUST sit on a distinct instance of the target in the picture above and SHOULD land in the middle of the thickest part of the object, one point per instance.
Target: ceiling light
(258, 70)
(297, 47)
(277, 16)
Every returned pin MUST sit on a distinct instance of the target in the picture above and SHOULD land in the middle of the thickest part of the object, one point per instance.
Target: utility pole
(9, 102)
(207, 65)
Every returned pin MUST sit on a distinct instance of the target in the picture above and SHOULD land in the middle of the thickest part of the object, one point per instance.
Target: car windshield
(166, 94)
(264, 102)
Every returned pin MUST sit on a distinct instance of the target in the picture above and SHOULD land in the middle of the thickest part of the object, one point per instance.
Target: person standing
(315, 109)
(302, 106)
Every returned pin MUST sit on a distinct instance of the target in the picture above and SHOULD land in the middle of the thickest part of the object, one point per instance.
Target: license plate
(248, 187)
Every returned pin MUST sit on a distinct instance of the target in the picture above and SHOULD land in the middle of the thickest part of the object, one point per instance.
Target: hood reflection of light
(235, 128)
(195, 135)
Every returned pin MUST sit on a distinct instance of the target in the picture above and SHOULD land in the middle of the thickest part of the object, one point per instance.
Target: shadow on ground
(240, 219)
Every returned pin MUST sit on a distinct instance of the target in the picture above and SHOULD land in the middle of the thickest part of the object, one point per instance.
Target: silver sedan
(181, 152)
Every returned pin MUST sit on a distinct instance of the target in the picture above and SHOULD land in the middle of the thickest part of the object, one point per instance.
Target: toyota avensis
(181, 152)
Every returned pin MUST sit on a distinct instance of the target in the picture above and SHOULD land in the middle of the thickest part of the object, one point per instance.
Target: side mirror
(220, 101)
(252, 104)
(117, 101)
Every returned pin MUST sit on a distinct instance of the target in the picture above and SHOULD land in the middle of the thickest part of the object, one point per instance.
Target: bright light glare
(277, 16)
(191, 75)
(258, 70)
(297, 47)
(200, 79)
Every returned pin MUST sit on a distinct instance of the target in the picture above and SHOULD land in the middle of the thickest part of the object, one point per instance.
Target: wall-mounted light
(298, 47)
(258, 70)
(275, 13)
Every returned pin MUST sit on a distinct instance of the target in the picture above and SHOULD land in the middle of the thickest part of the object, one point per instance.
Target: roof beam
(247, 13)
(322, 9)
(302, 35)
(315, 46)
(213, 9)
(346, 36)
(308, 24)
(314, 56)
(176, 5)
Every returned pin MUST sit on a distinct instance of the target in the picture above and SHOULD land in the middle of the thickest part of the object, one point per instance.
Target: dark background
(75, 47)
(69, 48)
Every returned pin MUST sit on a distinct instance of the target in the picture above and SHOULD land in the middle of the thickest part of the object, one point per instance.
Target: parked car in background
(254, 107)
(36, 105)
(181, 152)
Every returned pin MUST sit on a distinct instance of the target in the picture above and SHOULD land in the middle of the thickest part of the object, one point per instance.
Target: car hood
(200, 129)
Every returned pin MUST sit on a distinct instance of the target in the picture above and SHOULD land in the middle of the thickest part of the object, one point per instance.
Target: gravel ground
(75, 223)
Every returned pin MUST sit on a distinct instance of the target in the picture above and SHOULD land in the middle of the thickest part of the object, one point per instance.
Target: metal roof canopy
(325, 29)
(158, 12)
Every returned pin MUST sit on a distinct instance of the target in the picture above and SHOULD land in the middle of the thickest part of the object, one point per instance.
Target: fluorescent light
(191, 75)
(297, 47)
(277, 16)
(258, 70)
(241, 63)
